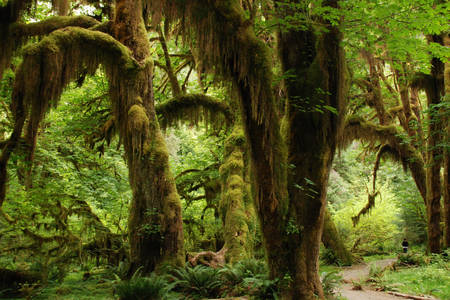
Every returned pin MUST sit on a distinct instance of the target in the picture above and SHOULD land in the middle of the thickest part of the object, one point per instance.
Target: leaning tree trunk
(316, 105)
(155, 223)
(331, 239)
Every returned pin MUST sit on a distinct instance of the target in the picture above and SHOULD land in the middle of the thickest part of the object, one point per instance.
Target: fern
(197, 282)
(143, 288)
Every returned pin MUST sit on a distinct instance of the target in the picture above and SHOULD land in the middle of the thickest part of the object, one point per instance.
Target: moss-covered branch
(48, 67)
(366, 209)
(358, 129)
(20, 30)
(194, 108)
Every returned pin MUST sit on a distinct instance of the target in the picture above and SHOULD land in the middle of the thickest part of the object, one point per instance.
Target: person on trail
(405, 246)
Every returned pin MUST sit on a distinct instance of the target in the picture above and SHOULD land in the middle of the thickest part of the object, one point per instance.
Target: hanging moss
(366, 209)
(9, 14)
(194, 108)
(359, 129)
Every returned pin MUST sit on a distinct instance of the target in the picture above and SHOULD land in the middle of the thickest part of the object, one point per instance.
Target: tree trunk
(317, 85)
(446, 183)
(232, 209)
(155, 223)
(434, 92)
(331, 239)
(291, 226)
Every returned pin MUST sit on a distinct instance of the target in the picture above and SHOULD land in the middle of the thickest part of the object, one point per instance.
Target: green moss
(138, 118)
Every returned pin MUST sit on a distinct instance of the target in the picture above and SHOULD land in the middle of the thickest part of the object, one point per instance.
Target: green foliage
(331, 282)
(328, 257)
(143, 288)
(235, 274)
(430, 278)
(197, 282)
(398, 213)
(411, 259)
(262, 287)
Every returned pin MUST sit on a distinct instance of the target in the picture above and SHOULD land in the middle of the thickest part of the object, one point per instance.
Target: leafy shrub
(261, 287)
(234, 276)
(143, 288)
(375, 271)
(197, 282)
(330, 282)
(411, 259)
(328, 257)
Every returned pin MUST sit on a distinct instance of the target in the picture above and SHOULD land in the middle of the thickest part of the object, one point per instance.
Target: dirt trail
(360, 273)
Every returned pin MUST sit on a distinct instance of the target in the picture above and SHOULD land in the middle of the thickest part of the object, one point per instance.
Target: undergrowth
(420, 275)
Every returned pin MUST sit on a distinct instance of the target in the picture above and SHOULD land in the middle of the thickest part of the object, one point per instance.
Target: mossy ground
(98, 286)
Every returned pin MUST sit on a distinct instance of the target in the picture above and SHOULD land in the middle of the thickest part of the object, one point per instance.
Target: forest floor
(357, 275)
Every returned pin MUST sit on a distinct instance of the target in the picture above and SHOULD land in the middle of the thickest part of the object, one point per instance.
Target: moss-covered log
(332, 240)
(12, 280)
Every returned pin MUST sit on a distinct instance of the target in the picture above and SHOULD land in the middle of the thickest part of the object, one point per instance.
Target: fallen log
(209, 258)
(411, 296)
(11, 281)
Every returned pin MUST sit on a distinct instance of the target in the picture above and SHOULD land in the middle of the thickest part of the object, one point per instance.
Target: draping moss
(194, 108)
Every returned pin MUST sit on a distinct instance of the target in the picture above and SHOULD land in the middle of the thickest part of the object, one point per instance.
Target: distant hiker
(405, 245)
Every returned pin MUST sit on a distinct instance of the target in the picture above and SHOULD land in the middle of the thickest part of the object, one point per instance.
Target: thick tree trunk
(316, 62)
(155, 224)
(232, 208)
(291, 227)
(434, 90)
(331, 239)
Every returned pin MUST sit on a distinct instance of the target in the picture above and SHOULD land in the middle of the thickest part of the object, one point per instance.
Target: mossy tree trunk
(317, 63)
(155, 223)
(332, 240)
(434, 93)
(232, 208)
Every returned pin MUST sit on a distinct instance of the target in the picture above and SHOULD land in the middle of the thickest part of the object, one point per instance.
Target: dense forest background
(199, 149)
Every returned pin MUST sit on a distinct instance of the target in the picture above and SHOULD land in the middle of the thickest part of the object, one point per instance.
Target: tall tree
(291, 216)
(123, 49)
